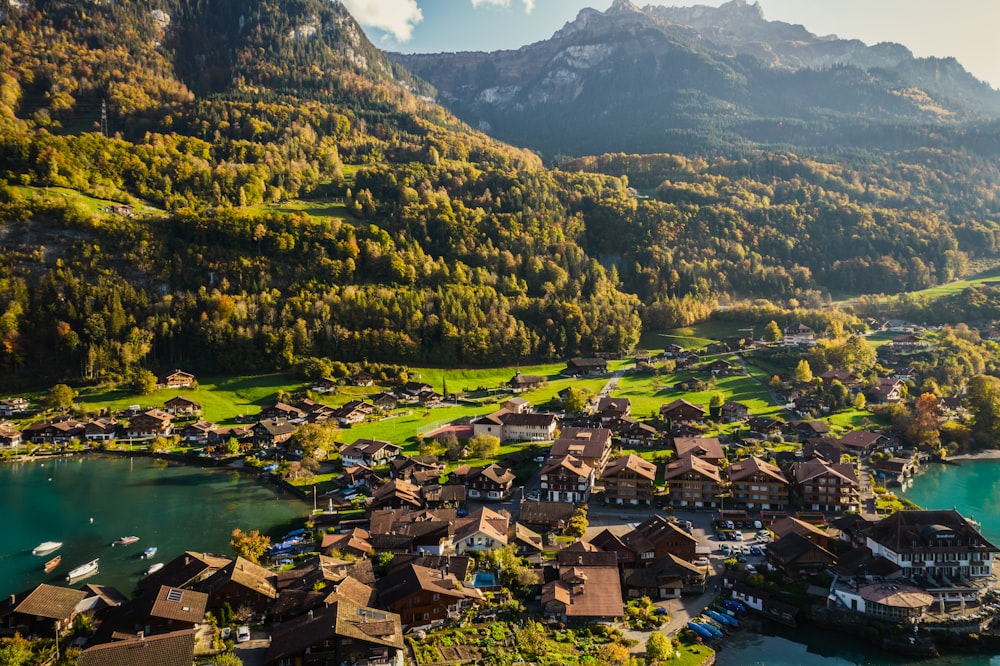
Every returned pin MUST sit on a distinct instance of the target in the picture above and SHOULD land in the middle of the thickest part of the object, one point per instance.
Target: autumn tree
(144, 382)
(60, 397)
(772, 332)
(984, 402)
(576, 400)
(249, 545)
(803, 373)
(577, 524)
(658, 648)
(317, 440)
(484, 446)
(925, 428)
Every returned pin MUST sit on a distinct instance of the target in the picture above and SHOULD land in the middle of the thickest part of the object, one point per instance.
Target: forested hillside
(234, 186)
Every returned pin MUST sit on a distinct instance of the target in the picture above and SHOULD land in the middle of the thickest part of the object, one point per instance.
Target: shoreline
(985, 454)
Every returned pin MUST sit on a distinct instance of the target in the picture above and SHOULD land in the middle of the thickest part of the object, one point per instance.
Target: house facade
(823, 486)
(757, 484)
(629, 480)
(566, 479)
(693, 482)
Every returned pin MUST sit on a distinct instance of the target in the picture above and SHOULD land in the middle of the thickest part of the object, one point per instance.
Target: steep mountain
(700, 78)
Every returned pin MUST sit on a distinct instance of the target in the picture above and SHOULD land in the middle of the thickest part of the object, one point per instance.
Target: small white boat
(153, 569)
(125, 541)
(149, 553)
(82, 570)
(46, 548)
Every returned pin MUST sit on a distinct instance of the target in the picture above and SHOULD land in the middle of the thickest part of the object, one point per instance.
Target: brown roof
(896, 595)
(704, 447)
(247, 574)
(412, 578)
(173, 649)
(811, 469)
(484, 520)
(571, 464)
(633, 463)
(754, 465)
(587, 591)
(692, 464)
(50, 601)
(344, 619)
(353, 590)
(172, 603)
(185, 569)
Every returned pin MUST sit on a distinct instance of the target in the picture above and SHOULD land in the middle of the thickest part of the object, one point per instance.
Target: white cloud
(529, 5)
(396, 17)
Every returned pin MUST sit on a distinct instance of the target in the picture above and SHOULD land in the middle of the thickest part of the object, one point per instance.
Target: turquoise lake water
(971, 486)
(170, 506)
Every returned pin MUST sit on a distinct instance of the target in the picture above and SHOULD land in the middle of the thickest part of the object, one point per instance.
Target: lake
(89, 501)
(971, 486)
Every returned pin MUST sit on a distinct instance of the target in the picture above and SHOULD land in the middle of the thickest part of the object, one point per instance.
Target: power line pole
(104, 118)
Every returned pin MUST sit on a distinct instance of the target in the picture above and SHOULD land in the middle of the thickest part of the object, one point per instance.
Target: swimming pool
(484, 579)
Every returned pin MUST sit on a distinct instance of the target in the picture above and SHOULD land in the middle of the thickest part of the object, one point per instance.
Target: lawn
(222, 399)
(314, 208)
(92, 204)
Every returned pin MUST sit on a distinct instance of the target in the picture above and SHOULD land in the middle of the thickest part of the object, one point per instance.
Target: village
(598, 520)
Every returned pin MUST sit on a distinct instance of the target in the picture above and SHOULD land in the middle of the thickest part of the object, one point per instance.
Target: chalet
(369, 452)
(516, 405)
(864, 442)
(643, 357)
(848, 379)
(100, 430)
(415, 469)
(527, 541)
(546, 514)
(182, 407)
(808, 429)
(361, 477)
(13, 406)
(173, 649)
(587, 591)
(584, 367)
(355, 543)
(693, 483)
(629, 480)
(177, 379)
(907, 341)
(673, 351)
(732, 412)
(798, 334)
(512, 426)
(590, 445)
(885, 601)
(343, 632)
(363, 378)
(484, 529)
(272, 432)
(824, 486)
(656, 537)
(241, 583)
(493, 482)
(756, 484)
(721, 367)
(386, 400)
(9, 434)
(41, 610)
(610, 542)
(280, 410)
(888, 389)
(828, 448)
(896, 470)
(666, 578)
(682, 411)
(325, 385)
(197, 433)
(163, 610)
(634, 433)
(520, 383)
(567, 479)
(764, 427)
(151, 423)
(611, 409)
(708, 449)
(397, 494)
(422, 596)
(414, 389)
(939, 545)
(791, 525)
(53, 432)
(795, 555)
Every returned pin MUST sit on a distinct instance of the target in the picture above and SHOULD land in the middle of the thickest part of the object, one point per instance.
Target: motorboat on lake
(46, 547)
(149, 553)
(125, 541)
(82, 570)
(52, 564)
(153, 569)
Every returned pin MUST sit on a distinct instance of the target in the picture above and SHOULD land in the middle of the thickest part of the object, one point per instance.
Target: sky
(964, 29)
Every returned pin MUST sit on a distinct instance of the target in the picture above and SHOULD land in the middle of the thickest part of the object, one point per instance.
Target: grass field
(92, 204)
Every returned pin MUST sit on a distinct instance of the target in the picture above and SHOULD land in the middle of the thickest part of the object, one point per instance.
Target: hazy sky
(965, 29)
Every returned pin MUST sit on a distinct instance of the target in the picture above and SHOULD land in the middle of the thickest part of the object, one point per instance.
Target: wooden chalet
(423, 596)
(177, 379)
(520, 383)
(172, 649)
(682, 411)
(151, 423)
(241, 583)
(493, 482)
(629, 480)
(693, 483)
(587, 590)
(182, 407)
(585, 367)
(272, 432)
(757, 484)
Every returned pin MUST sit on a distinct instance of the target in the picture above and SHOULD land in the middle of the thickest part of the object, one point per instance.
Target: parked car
(738, 536)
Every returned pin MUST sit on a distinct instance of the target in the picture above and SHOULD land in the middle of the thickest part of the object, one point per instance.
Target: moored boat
(124, 541)
(46, 547)
(53, 563)
(149, 553)
(82, 570)
(153, 569)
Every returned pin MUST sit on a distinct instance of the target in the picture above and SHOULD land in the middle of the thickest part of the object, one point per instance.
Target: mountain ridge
(694, 70)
